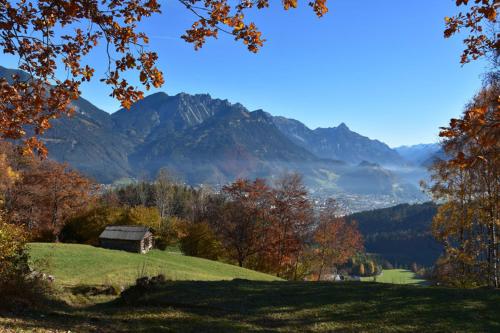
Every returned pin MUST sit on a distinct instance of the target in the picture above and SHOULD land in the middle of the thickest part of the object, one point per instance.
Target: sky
(382, 67)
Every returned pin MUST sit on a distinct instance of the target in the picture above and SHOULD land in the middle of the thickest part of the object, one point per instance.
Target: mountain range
(206, 140)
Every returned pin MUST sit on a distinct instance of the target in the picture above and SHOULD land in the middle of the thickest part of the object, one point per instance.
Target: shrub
(200, 241)
(20, 288)
(145, 216)
(13, 254)
(387, 265)
(172, 230)
(361, 269)
(87, 227)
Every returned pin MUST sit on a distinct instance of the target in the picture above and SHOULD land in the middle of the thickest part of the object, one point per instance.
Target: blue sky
(382, 67)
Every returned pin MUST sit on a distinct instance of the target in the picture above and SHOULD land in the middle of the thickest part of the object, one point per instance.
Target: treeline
(400, 234)
(271, 228)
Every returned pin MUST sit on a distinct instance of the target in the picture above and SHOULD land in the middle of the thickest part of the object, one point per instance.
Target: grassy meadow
(76, 264)
(275, 306)
(207, 296)
(395, 276)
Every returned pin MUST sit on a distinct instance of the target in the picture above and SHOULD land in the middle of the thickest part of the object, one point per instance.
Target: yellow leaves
(319, 7)
(287, 4)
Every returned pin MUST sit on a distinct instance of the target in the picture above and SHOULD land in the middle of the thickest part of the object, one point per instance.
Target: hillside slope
(400, 234)
(75, 264)
(339, 143)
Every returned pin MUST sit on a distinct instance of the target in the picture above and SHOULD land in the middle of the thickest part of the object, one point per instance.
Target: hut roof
(124, 232)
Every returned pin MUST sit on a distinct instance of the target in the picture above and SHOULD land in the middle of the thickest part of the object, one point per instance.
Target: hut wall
(118, 244)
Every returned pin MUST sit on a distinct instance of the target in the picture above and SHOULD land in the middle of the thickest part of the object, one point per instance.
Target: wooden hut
(128, 238)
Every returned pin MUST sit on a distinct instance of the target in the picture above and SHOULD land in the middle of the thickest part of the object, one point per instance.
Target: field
(244, 304)
(396, 276)
(259, 306)
(75, 264)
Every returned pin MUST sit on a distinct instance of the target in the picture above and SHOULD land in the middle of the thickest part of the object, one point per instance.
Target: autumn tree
(45, 195)
(244, 218)
(291, 224)
(361, 269)
(468, 184)
(335, 240)
(146, 216)
(200, 241)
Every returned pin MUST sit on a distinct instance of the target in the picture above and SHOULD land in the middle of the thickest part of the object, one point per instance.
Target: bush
(173, 229)
(87, 227)
(200, 241)
(145, 216)
(13, 254)
(20, 288)
(387, 265)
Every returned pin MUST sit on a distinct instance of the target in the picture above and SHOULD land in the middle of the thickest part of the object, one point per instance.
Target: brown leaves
(27, 30)
(216, 16)
(477, 18)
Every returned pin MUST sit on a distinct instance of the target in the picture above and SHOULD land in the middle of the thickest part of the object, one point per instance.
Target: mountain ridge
(210, 140)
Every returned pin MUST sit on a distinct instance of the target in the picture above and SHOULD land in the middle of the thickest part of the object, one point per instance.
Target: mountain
(339, 143)
(400, 234)
(89, 141)
(208, 140)
(418, 154)
(7, 74)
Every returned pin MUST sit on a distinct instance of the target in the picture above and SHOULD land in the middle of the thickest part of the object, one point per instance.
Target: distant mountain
(339, 143)
(89, 141)
(400, 234)
(207, 140)
(418, 154)
(7, 73)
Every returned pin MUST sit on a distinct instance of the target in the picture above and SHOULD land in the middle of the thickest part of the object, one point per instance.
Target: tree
(361, 269)
(163, 193)
(291, 223)
(468, 183)
(371, 268)
(47, 35)
(200, 241)
(45, 195)
(89, 224)
(335, 240)
(244, 219)
(146, 216)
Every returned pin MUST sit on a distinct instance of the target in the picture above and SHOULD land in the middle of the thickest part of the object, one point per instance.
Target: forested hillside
(400, 234)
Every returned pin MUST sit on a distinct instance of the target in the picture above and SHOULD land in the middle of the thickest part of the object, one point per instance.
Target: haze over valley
(208, 141)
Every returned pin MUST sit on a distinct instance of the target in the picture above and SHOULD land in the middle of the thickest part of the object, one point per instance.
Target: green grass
(396, 276)
(75, 264)
(259, 306)
(240, 305)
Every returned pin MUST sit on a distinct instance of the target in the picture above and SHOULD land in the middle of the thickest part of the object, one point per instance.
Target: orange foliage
(41, 195)
(478, 17)
(468, 222)
(336, 240)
